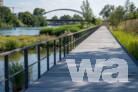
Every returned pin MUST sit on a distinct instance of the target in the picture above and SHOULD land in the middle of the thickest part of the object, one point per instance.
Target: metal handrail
(71, 42)
(40, 43)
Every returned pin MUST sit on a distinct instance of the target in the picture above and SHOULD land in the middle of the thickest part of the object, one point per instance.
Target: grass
(18, 80)
(60, 30)
(128, 26)
(64, 29)
(14, 42)
(129, 41)
(8, 43)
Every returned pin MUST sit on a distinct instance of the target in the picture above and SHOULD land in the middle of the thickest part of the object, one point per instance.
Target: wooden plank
(100, 45)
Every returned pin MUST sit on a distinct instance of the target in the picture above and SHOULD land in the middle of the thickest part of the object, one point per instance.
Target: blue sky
(29, 5)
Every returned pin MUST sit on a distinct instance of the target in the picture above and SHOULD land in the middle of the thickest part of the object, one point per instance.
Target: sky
(29, 5)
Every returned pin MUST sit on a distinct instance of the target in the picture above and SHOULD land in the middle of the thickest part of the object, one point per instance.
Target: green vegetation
(14, 42)
(129, 41)
(55, 17)
(60, 30)
(76, 16)
(66, 17)
(122, 20)
(35, 19)
(18, 80)
(116, 15)
(87, 12)
(98, 22)
(38, 11)
(9, 20)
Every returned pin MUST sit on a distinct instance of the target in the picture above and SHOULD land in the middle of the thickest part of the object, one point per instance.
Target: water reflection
(22, 31)
(32, 57)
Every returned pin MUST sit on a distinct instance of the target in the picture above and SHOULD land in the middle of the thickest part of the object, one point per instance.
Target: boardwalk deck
(100, 45)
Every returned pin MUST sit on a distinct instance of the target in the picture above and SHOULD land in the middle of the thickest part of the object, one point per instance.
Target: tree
(7, 18)
(5, 14)
(117, 16)
(55, 17)
(98, 21)
(127, 6)
(132, 7)
(26, 18)
(76, 16)
(137, 14)
(38, 11)
(107, 11)
(32, 20)
(87, 12)
(66, 17)
(130, 15)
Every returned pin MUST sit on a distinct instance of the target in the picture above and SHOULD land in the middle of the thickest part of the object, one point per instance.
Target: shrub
(5, 26)
(60, 30)
(11, 44)
(18, 80)
(46, 30)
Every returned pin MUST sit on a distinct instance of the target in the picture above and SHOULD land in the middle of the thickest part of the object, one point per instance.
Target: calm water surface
(32, 54)
(18, 57)
(22, 31)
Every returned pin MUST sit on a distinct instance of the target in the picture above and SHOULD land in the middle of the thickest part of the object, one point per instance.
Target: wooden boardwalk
(100, 45)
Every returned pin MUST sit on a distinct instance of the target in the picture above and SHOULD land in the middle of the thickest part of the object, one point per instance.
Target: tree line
(115, 15)
(75, 16)
(8, 19)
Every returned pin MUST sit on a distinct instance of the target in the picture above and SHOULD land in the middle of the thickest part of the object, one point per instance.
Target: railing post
(6, 74)
(26, 67)
(54, 52)
(73, 41)
(68, 44)
(47, 56)
(59, 48)
(64, 48)
(39, 67)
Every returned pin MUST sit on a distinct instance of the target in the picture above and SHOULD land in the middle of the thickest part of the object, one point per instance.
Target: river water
(22, 31)
(18, 57)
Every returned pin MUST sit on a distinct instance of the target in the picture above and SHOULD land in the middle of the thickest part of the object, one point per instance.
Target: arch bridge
(79, 12)
(64, 9)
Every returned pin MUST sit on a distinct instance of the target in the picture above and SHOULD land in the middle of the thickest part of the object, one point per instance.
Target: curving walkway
(100, 45)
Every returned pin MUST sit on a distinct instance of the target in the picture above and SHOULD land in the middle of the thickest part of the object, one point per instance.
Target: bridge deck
(100, 45)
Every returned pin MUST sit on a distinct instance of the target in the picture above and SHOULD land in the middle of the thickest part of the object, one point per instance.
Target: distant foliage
(98, 21)
(87, 11)
(107, 11)
(7, 19)
(76, 16)
(115, 15)
(32, 20)
(60, 30)
(66, 17)
(55, 17)
(38, 11)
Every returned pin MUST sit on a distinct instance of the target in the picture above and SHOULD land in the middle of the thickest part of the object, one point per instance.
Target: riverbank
(13, 42)
(8, 43)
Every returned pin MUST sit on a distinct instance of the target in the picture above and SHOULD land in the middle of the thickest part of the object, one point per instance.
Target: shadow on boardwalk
(99, 45)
